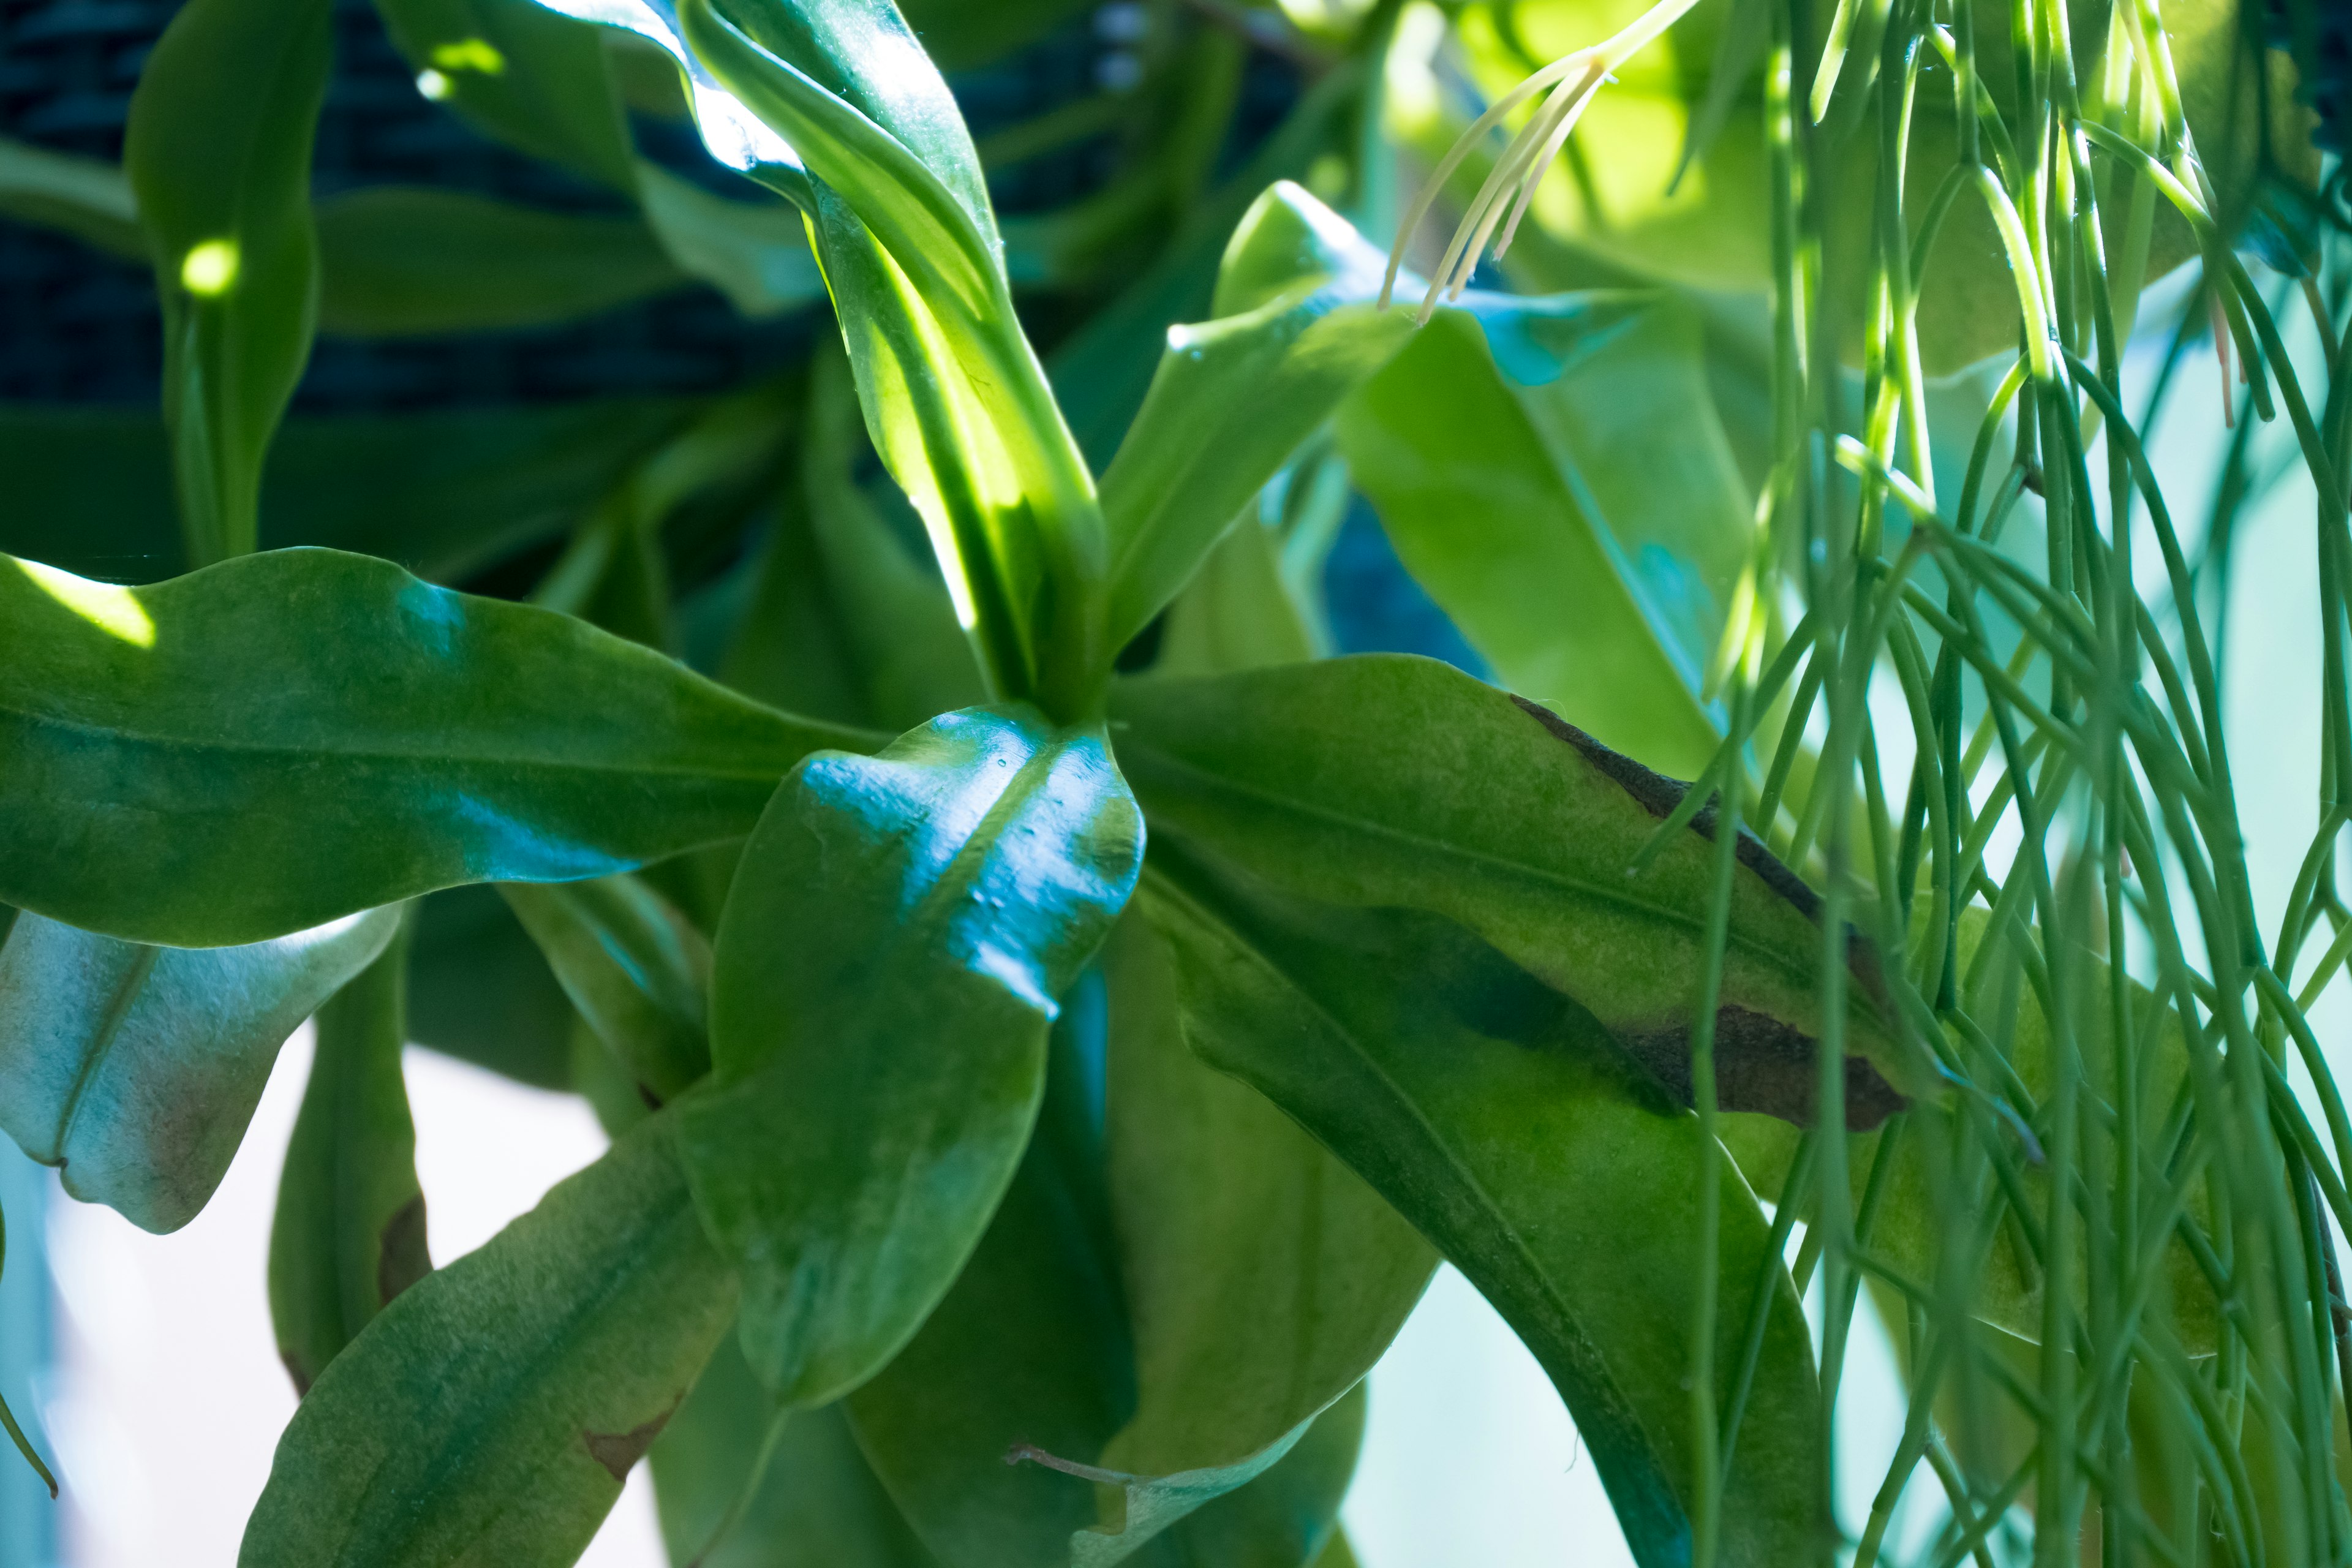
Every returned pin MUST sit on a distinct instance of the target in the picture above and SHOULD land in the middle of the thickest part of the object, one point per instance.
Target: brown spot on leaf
(402, 1258)
(1761, 1065)
(1659, 795)
(618, 1452)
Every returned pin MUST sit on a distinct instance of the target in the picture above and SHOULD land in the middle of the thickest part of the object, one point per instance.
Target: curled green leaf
(136, 1069)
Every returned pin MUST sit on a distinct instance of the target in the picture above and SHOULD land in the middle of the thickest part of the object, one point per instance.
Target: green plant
(1030, 1128)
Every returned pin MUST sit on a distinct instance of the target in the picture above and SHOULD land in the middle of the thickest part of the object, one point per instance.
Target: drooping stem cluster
(2140, 1131)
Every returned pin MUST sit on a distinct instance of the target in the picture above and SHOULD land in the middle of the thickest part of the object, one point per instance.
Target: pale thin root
(1552, 146)
(1530, 153)
(1536, 150)
(1460, 150)
(1507, 171)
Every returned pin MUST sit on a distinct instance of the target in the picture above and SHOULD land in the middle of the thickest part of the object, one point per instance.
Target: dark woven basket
(77, 327)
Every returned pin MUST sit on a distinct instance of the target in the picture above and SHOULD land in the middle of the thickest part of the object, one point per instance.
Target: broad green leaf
(1027, 1360)
(901, 931)
(487, 1417)
(1560, 487)
(349, 1233)
(1296, 329)
(1027, 1356)
(1263, 1277)
(1505, 1122)
(1199, 1161)
(135, 1069)
(86, 197)
(1573, 515)
(816, 1505)
(1386, 780)
(479, 990)
(534, 81)
(636, 969)
(443, 493)
(398, 260)
(277, 741)
(218, 148)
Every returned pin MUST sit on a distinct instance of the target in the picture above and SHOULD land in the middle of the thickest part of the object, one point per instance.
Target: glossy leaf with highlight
(279, 741)
(901, 931)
